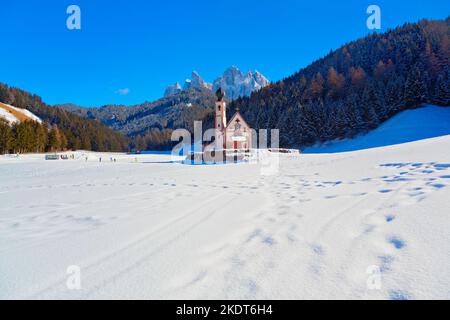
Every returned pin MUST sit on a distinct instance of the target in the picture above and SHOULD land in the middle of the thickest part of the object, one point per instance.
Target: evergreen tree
(442, 90)
(6, 137)
(415, 88)
(54, 139)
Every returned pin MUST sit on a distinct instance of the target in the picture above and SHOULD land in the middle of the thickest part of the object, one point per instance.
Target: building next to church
(235, 134)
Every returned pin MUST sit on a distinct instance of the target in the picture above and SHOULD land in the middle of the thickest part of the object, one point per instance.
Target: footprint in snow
(390, 218)
(399, 295)
(317, 249)
(442, 166)
(385, 263)
(397, 242)
(268, 241)
(368, 229)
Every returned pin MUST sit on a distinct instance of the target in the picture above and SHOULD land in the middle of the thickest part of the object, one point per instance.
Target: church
(235, 134)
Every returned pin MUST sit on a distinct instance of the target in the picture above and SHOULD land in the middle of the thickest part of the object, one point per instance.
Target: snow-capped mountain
(172, 89)
(235, 83)
(196, 82)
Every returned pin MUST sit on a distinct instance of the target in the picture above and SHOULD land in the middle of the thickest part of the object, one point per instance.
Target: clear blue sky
(146, 45)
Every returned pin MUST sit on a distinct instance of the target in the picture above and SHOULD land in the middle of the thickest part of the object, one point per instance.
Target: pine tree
(442, 90)
(6, 137)
(415, 87)
(370, 105)
(336, 83)
(24, 137)
(54, 139)
(6, 95)
(41, 136)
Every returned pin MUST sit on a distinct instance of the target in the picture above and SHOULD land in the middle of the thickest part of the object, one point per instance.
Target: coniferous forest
(60, 130)
(357, 87)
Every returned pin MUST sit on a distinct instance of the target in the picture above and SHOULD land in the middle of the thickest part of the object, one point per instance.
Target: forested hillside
(357, 87)
(175, 111)
(348, 92)
(149, 125)
(63, 130)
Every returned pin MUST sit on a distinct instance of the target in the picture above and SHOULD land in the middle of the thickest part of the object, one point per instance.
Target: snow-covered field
(320, 228)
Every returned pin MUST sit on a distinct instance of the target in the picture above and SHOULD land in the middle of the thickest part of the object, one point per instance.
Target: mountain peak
(237, 84)
(172, 89)
(233, 81)
(196, 82)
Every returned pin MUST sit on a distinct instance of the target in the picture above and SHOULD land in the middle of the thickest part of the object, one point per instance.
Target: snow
(12, 119)
(158, 229)
(411, 125)
(9, 117)
(28, 114)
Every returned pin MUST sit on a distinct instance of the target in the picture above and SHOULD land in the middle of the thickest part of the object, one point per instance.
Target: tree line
(30, 136)
(74, 132)
(354, 89)
(350, 91)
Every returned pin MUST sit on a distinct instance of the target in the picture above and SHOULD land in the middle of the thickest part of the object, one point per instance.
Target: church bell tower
(221, 116)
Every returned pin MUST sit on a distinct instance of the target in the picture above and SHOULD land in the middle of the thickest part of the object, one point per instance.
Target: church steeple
(220, 94)
(221, 115)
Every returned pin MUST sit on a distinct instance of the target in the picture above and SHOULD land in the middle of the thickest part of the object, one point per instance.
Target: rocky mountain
(172, 89)
(196, 82)
(235, 83)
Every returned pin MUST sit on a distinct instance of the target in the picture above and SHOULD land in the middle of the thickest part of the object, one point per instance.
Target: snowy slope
(319, 228)
(8, 116)
(407, 126)
(11, 118)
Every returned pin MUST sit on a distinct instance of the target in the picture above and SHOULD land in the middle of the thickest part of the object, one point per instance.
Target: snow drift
(411, 125)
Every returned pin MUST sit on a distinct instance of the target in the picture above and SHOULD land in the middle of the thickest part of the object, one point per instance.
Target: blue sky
(127, 52)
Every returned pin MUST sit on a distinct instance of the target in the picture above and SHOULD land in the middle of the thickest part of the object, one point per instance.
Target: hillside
(14, 115)
(357, 87)
(407, 126)
(174, 111)
(78, 133)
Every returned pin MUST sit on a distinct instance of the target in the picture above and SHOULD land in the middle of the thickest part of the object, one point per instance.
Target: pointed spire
(220, 94)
